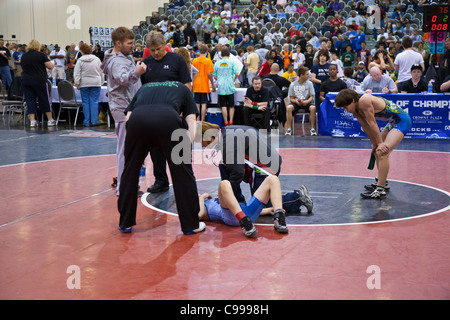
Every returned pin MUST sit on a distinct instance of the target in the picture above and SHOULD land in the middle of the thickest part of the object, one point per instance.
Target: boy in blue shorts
(226, 209)
(367, 109)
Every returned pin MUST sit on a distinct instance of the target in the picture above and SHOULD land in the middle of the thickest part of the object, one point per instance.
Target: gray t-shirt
(301, 90)
(377, 86)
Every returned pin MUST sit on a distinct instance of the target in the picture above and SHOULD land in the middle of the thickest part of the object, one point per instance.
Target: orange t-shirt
(204, 67)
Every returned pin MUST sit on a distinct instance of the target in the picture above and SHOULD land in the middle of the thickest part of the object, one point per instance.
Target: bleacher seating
(305, 21)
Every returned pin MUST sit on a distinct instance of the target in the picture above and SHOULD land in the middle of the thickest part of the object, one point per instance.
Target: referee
(153, 115)
(162, 66)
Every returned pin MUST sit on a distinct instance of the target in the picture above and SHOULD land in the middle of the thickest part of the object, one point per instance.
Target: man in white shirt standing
(57, 55)
(405, 60)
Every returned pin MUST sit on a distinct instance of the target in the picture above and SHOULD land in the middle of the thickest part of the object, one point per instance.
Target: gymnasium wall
(68, 21)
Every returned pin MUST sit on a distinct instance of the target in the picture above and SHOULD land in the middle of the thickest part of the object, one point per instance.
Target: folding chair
(68, 99)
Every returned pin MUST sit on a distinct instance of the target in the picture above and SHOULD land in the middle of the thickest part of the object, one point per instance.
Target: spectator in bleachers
(337, 20)
(364, 55)
(290, 8)
(382, 60)
(416, 37)
(318, 7)
(309, 57)
(359, 39)
(236, 17)
(298, 58)
(301, 8)
(319, 73)
(349, 81)
(265, 67)
(348, 57)
(335, 60)
(155, 19)
(354, 18)
(163, 25)
(291, 33)
(286, 55)
(336, 6)
(360, 73)
(190, 35)
(290, 73)
(207, 29)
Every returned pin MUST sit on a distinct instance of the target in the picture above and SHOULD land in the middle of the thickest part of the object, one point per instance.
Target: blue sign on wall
(430, 116)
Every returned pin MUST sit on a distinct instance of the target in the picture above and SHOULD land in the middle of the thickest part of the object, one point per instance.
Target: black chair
(275, 98)
(15, 101)
(68, 99)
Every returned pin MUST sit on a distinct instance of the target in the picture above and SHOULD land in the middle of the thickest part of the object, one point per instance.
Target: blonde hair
(34, 45)
(209, 130)
(185, 54)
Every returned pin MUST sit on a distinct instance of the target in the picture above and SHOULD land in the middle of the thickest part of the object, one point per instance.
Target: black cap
(416, 66)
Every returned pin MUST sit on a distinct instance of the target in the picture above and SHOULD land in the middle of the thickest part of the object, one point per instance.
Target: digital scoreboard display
(436, 18)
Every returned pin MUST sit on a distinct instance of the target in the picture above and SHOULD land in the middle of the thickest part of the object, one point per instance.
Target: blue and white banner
(430, 116)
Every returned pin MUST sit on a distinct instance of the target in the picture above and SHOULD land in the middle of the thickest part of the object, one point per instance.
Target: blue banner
(430, 116)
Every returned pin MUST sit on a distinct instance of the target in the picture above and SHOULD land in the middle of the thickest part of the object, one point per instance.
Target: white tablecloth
(238, 96)
(55, 95)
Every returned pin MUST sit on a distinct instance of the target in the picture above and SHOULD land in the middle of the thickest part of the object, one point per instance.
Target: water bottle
(430, 86)
(54, 82)
(142, 176)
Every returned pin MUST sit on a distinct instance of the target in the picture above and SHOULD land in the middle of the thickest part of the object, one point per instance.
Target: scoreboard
(436, 18)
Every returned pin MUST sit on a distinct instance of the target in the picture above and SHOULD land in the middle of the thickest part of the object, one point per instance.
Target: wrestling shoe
(201, 228)
(377, 193)
(248, 227)
(372, 186)
(288, 132)
(305, 198)
(313, 132)
(125, 230)
(279, 221)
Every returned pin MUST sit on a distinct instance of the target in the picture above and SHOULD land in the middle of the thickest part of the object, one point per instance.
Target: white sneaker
(313, 132)
(51, 123)
(33, 124)
(288, 132)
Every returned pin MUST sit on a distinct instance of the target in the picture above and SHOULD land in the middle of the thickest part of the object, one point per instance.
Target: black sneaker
(377, 193)
(248, 227)
(279, 222)
(157, 188)
(305, 198)
(371, 187)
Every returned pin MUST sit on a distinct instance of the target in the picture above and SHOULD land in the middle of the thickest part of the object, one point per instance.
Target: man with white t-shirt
(58, 56)
(405, 60)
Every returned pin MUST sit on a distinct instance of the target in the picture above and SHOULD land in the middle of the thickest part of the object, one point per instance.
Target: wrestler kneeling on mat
(228, 210)
(367, 109)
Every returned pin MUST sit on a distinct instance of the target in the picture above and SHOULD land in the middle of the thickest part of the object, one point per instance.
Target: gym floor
(59, 236)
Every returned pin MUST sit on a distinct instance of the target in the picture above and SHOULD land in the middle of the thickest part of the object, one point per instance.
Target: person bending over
(367, 109)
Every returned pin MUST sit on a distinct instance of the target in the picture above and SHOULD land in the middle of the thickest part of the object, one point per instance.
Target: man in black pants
(153, 116)
(162, 66)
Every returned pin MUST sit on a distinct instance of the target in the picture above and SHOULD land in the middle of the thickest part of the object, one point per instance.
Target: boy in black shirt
(333, 84)
(415, 84)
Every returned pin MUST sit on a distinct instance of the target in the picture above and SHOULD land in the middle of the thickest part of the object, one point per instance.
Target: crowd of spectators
(263, 35)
